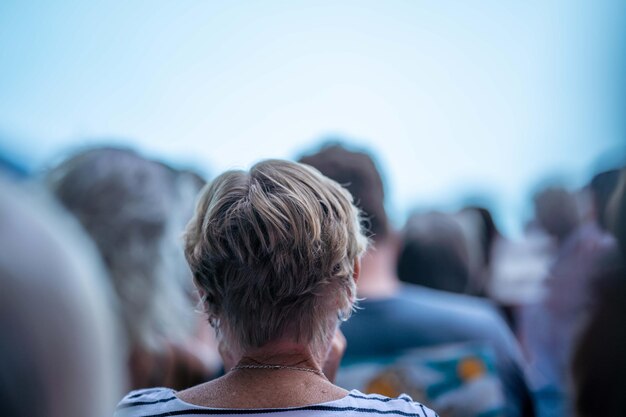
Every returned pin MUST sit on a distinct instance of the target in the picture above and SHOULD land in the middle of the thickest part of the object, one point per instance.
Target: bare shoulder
(203, 394)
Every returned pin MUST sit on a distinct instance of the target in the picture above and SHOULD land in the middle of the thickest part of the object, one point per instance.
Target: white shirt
(162, 402)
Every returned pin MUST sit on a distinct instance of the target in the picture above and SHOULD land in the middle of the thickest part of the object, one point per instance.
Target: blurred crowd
(97, 298)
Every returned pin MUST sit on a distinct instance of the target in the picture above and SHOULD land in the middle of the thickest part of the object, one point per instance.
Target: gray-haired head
(273, 251)
(132, 208)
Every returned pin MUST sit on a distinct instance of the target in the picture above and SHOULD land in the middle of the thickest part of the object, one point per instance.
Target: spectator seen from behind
(275, 253)
(134, 210)
(396, 317)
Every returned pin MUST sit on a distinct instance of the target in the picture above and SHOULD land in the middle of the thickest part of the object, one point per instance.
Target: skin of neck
(284, 353)
(378, 278)
(268, 388)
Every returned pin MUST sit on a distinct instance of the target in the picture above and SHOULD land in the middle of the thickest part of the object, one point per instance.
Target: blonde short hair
(273, 252)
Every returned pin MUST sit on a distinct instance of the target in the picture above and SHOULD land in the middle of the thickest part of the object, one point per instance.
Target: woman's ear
(357, 270)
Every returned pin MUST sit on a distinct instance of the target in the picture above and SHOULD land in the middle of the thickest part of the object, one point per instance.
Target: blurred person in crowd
(485, 244)
(519, 267)
(549, 328)
(434, 253)
(61, 354)
(481, 236)
(556, 212)
(599, 363)
(396, 317)
(135, 210)
(450, 252)
(275, 253)
(586, 250)
(488, 228)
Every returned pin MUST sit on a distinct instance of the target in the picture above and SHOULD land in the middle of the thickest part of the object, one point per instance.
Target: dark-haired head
(356, 171)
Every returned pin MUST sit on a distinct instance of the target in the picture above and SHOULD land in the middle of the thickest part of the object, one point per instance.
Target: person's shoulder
(142, 399)
(380, 404)
(452, 303)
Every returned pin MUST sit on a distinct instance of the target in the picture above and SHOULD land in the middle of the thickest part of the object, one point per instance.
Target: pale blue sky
(456, 97)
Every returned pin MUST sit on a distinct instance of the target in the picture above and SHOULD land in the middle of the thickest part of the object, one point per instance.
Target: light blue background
(457, 98)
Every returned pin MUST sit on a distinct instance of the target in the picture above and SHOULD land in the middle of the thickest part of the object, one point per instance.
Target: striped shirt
(162, 402)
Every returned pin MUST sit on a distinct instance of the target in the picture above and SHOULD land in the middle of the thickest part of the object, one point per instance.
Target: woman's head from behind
(131, 208)
(273, 252)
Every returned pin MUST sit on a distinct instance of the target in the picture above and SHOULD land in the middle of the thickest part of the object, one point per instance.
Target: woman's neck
(283, 353)
(279, 374)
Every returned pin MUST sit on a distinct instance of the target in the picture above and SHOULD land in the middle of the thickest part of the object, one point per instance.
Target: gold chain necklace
(293, 368)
